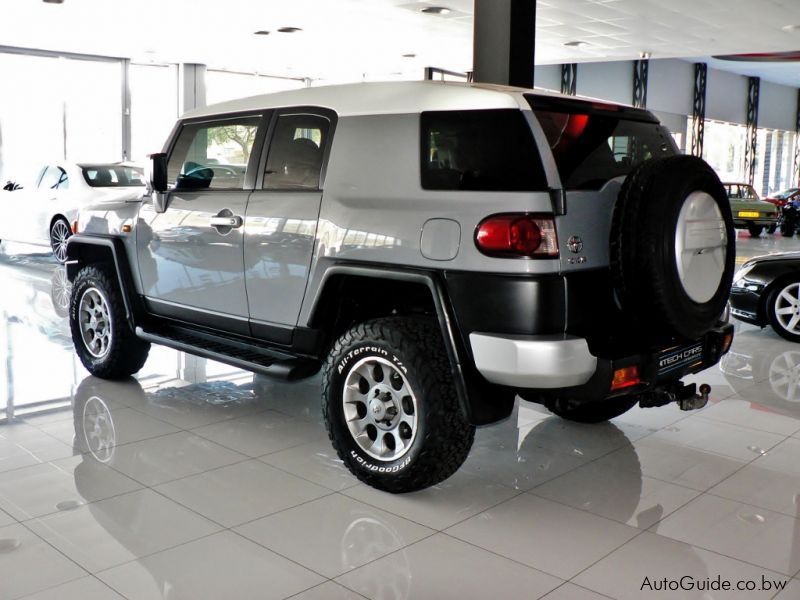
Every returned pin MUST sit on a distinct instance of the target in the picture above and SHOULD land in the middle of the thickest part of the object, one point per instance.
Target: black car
(766, 291)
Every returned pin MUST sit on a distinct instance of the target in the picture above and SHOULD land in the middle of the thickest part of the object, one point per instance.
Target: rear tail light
(625, 378)
(518, 235)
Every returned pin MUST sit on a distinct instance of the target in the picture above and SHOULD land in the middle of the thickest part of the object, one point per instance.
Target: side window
(213, 155)
(480, 150)
(51, 178)
(296, 151)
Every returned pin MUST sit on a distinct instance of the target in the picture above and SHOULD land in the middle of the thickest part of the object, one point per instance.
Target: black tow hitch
(686, 396)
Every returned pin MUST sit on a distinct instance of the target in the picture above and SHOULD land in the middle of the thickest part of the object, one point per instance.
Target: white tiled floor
(200, 481)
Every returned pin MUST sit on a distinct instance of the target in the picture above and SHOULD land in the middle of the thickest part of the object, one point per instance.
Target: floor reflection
(197, 480)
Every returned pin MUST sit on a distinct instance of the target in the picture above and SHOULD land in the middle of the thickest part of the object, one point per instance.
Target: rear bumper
(533, 361)
(557, 362)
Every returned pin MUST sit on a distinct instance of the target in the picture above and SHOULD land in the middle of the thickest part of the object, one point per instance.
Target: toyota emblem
(575, 244)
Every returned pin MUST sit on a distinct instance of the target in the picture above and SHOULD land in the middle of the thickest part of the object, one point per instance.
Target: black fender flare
(474, 393)
(83, 250)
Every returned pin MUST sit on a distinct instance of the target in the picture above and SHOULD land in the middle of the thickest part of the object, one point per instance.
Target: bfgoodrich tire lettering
(126, 353)
(443, 435)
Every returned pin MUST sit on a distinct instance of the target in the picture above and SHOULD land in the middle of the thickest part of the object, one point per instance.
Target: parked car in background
(766, 291)
(43, 214)
(784, 197)
(749, 212)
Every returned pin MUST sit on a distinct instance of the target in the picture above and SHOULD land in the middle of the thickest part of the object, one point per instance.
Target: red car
(784, 197)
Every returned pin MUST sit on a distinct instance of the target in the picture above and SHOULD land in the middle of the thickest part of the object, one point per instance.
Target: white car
(43, 215)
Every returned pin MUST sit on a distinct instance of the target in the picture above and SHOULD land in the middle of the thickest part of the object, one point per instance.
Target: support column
(569, 79)
(641, 70)
(699, 108)
(126, 109)
(504, 42)
(191, 86)
(753, 89)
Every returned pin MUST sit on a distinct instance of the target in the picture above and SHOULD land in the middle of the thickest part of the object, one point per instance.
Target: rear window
(740, 191)
(480, 150)
(592, 144)
(113, 176)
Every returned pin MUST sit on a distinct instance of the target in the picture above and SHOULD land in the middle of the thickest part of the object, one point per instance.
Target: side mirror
(157, 172)
(157, 181)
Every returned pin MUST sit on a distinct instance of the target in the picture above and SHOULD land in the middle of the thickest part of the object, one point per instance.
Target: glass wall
(154, 107)
(227, 85)
(81, 122)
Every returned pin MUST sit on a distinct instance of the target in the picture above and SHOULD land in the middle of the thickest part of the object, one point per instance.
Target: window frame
(316, 111)
(264, 115)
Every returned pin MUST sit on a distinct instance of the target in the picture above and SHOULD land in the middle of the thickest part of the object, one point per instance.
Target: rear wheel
(755, 230)
(591, 412)
(103, 339)
(59, 234)
(390, 405)
(783, 310)
(772, 228)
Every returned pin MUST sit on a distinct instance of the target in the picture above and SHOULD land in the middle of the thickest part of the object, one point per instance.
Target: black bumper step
(259, 359)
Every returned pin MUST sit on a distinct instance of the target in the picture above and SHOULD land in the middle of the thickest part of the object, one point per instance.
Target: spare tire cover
(673, 247)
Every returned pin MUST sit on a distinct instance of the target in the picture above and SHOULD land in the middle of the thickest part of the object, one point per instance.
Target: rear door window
(296, 152)
(592, 144)
(480, 150)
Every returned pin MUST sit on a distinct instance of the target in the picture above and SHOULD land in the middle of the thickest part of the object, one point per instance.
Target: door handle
(233, 222)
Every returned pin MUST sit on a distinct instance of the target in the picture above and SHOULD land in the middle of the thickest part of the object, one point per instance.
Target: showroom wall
(670, 96)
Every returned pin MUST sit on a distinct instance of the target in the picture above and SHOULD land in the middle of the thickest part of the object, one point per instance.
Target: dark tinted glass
(296, 152)
(590, 147)
(480, 150)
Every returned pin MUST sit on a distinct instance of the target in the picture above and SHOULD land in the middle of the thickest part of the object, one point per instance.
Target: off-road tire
(444, 435)
(755, 230)
(591, 412)
(642, 250)
(126, 353)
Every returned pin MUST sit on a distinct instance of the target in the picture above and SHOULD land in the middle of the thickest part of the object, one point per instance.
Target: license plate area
(682, 358)
(749, 213)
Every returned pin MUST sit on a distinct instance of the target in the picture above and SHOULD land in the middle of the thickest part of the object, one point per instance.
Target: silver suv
(437, 249)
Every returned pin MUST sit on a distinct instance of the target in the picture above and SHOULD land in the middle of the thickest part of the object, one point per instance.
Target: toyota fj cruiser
(438, 249)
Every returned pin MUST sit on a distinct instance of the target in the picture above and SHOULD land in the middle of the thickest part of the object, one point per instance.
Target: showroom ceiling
(347, 39)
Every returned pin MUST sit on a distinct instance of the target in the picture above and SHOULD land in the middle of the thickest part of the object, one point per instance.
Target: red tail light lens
(625, 378)
(517, 235)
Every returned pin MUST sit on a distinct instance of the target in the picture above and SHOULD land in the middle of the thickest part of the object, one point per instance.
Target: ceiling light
(791, 28)
(410, 55)
(261, 32)
(289, 29)
(53, 1)
(436, 10)
(576, 44)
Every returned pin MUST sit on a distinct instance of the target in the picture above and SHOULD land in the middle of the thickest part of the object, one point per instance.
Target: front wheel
(591, 412)
(390, 405)
(755, 230)
(103, 339)
(783, 310)
(59, 234)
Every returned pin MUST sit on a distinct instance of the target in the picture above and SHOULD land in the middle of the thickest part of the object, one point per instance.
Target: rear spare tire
(672, 247)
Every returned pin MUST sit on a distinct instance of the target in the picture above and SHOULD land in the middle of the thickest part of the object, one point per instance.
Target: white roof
(403, 97)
